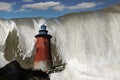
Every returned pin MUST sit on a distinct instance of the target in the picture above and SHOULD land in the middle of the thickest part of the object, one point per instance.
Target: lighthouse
(43, 58)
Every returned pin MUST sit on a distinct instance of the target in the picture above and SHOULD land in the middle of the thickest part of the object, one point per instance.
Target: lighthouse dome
(43, 27)
(43, 30)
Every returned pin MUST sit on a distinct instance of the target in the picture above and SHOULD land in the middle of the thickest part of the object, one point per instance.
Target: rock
(57, 68)
(13, 71)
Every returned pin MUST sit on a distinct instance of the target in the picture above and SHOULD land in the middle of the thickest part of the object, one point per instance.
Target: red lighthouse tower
(43, 59)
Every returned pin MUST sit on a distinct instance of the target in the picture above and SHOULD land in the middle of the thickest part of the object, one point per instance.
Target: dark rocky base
(57, 68)
(13, 71)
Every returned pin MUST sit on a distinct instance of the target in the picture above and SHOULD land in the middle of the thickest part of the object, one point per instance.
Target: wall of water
(17, 41)
(88, 42)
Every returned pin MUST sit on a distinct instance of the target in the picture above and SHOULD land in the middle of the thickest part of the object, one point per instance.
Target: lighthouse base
(43, 65)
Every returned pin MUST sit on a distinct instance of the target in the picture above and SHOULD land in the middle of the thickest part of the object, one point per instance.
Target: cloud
(41, 5)
(59, 7)
(84, 5)
(7, 7)
(21, 10)
(27, 0)
(55, 6)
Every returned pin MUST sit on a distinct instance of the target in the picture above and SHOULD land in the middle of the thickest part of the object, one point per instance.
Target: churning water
(88, 42)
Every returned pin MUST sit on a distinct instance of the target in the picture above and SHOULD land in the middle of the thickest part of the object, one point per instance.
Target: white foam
(6, 26)
(3, 61)
(90, 44)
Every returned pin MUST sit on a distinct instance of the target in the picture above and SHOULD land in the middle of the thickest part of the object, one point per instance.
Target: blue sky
(49, 8)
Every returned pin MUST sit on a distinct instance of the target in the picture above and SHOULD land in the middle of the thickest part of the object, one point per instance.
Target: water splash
(3, 61)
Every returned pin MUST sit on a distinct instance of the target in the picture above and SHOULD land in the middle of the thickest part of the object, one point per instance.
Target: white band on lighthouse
(42, 65)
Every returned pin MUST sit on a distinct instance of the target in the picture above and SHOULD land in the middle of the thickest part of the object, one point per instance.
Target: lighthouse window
(37, 50)
(45, 43)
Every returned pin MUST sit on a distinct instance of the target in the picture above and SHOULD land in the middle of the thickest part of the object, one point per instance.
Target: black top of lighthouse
(43, 32)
